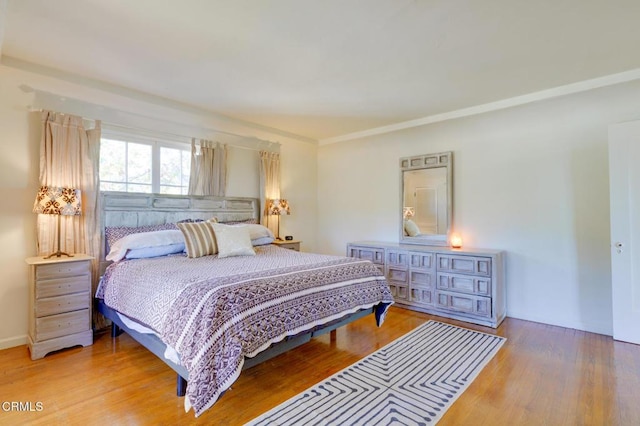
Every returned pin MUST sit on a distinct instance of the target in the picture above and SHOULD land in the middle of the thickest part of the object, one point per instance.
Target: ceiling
(326, 68)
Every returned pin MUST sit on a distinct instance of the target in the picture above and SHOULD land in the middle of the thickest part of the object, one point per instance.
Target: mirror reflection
(425, 201)
(426, 194)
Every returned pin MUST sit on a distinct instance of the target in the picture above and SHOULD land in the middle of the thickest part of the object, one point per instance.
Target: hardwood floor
(543, 375)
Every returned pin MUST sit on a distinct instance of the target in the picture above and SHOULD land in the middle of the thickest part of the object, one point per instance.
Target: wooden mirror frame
(428, 161)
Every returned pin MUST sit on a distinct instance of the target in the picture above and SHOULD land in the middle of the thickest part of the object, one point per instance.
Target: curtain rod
(47, 101)
(269, 144)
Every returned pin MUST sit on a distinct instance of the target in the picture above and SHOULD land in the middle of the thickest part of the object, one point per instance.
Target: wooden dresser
(60, 303)
(464, 284)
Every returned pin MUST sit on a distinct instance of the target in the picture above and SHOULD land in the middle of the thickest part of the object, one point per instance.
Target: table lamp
(59, 201)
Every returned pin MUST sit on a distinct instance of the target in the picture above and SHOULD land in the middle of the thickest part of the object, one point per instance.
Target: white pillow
(142, 240)
(158, 251)
(255, 231)
(262, 241)
(411, 228)
(233, 240)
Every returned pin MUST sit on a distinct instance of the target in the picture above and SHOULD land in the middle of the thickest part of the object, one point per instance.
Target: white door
(426, 210)
(624, 182)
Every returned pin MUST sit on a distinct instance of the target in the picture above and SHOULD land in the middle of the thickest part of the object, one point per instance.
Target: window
(175, 166)
(144, 166)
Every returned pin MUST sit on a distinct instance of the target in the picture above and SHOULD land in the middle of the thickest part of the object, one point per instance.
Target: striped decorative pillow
(199, 238)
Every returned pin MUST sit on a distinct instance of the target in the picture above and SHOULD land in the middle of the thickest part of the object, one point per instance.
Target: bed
(208, 317)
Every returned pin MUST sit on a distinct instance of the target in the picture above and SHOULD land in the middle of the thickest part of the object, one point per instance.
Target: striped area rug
(411, 381)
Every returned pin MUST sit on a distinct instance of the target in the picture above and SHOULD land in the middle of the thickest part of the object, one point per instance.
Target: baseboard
(12, 342)
(591, 327)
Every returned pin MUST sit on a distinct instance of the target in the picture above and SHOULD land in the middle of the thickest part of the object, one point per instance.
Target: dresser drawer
(66, 269)
(458, 302)
(464, 264)
(423, 279)
(373, 254)
(397, 274)
(397, 259)
(62, 324)
(58, 287)
(422, 296)
(399, 291)
(61, 304)
(419, 260)
(464, 284)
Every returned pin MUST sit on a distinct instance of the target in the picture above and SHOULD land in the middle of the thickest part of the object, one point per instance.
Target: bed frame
(132, 210)
(157, 347)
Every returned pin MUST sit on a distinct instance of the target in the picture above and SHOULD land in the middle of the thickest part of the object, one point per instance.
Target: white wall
(19, 163)
(18, 185)
(530, 180)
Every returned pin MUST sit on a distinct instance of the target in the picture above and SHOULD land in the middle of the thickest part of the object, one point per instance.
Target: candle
(456, 241)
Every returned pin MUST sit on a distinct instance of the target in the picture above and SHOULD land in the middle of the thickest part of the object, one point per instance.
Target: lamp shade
(278, 206)
(58, 201)
(408, 212)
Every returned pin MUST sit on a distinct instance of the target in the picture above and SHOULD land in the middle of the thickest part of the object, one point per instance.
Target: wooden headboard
(134, 209)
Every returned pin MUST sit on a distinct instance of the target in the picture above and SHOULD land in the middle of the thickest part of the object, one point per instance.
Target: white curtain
(70, 157)
(208, 168)
(269, 186)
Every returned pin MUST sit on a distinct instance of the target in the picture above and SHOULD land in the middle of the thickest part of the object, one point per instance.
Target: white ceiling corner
(337, 69)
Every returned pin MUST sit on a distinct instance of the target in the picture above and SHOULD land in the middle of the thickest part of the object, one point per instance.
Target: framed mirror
(426, 199)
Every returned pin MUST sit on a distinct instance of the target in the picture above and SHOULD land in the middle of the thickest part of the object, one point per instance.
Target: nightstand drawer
(66, 269)
(58, 287)
(61, 304)
(62, 324)
(290, 246)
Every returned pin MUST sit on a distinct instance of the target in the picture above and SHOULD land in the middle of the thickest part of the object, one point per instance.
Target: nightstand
(291, 245)
(60, 303)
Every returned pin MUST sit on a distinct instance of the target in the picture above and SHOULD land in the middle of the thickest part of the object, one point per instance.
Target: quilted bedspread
(215, 312)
